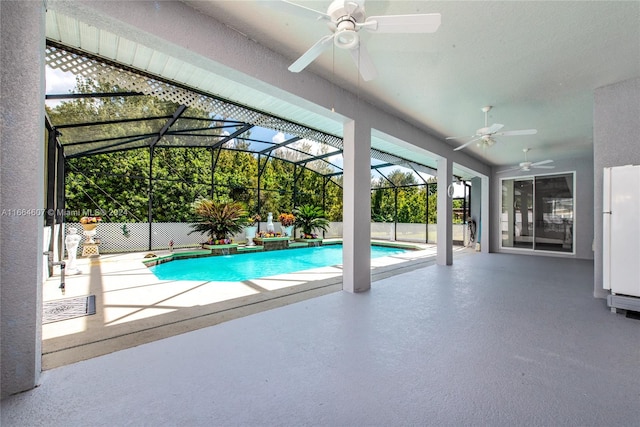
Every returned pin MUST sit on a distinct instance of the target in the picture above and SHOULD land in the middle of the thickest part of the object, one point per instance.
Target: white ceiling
(536, 62)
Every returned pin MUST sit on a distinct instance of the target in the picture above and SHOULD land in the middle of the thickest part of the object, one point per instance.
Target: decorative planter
(287, 231)
(89, 232)
(250, 233)
(89, 227)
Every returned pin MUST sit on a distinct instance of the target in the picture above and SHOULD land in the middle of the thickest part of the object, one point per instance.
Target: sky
(59, 81)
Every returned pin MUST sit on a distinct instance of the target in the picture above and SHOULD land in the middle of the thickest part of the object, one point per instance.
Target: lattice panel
(128, 237)
(116, 237)
(163, 232)
(119, 237)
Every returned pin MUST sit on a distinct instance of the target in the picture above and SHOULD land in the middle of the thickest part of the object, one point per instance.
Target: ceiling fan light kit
(345, 18)
(486, 141)
(346, 39)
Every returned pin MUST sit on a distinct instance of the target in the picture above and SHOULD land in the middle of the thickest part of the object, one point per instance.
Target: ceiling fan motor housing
(525, 166)
(344, 16)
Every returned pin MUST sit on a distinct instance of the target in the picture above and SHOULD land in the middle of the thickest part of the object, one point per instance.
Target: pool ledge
(155, 260)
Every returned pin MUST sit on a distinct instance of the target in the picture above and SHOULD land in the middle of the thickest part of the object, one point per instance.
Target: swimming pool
(236, 268)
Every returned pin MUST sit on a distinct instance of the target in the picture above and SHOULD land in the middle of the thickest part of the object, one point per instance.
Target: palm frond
(218, 220)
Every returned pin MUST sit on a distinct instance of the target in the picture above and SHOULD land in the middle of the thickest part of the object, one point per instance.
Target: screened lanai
(137, 150)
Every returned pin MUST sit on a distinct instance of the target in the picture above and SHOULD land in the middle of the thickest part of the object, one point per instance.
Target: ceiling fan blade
(418, 23)
(544, 162)
(466, 143)
(363, 61)
(518, 132)
(297, 10)
(492, 129)
(315, 51)
(458, 137)
(509, 170)
(351, 6)
(543, 167)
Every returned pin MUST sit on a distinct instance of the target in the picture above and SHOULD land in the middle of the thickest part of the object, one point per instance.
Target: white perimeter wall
(113, 238)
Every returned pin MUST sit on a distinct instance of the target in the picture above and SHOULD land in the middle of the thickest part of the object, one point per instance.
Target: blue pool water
(236, 268)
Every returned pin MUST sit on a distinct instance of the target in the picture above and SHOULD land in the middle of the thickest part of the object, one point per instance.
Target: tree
(401, 179)
(410, 198)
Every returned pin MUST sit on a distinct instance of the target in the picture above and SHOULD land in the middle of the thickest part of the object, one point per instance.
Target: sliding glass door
(517, 213)
(537, 213)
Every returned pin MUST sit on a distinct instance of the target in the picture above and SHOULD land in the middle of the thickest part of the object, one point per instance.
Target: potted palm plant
(219, 221)
(310, 218)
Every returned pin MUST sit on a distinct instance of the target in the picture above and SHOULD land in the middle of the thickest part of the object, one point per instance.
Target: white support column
(483, 227)
(22, 147)
(356, 255)
(445, 212)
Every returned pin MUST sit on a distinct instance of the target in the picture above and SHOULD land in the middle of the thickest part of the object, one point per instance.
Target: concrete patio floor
(493, 340)
(134, 307)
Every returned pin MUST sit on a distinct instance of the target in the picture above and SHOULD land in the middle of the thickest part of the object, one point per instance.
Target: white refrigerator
(621, 230)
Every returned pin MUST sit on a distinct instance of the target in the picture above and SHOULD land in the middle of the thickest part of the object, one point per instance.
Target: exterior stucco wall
(616, 142)
(21, 192)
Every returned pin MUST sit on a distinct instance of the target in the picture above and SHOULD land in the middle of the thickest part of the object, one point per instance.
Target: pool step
(190, 253)
(256, 248)
(298, 245)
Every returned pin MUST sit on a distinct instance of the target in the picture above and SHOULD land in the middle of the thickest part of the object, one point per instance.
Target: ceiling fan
(526, 166)
(345, 18)
(485, 136)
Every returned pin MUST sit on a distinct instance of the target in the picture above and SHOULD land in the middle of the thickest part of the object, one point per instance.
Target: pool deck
(134, 307)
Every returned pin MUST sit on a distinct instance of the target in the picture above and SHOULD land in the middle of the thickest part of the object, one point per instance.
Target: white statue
(270, 228)
(71, 242)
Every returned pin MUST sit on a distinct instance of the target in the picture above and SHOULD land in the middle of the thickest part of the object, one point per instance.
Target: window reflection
(554, 213)
(537, 213)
